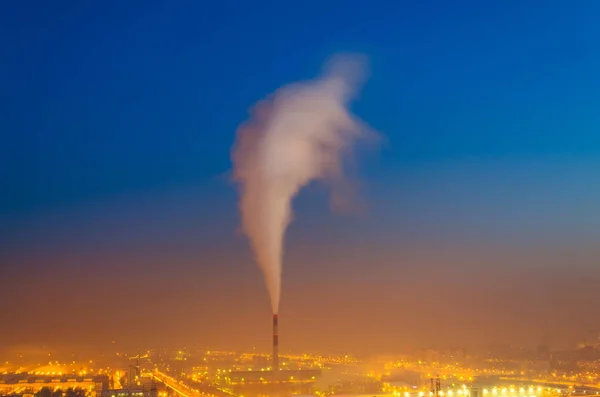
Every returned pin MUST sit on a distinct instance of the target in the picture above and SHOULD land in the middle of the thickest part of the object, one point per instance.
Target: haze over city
(475, 208)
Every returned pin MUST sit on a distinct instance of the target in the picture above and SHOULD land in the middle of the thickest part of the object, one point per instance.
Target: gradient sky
(117, 214)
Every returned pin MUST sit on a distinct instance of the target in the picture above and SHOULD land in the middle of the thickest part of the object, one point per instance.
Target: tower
(275, 343)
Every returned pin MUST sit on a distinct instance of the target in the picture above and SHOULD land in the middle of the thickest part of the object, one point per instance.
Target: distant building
(358, 385)
(139, 392)
(542, 352)
(258, 383)
(25, 383)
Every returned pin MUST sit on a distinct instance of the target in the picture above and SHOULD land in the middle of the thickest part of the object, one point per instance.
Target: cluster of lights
(464, 392)
(504, 391)
(449, 393)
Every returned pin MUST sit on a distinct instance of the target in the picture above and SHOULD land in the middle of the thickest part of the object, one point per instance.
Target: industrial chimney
(275, 343)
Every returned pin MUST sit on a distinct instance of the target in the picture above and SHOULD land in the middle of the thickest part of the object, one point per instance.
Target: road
(184, 390)
(178, 387)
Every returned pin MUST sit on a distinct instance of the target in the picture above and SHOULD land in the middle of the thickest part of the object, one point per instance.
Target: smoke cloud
(302, 132)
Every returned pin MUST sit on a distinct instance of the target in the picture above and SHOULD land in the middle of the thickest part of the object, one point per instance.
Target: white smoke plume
(299, 134)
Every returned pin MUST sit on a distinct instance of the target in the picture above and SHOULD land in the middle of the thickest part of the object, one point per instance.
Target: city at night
(300, 199)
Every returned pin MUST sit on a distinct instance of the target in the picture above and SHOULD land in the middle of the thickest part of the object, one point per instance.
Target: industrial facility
(273, 381)
(27, 383)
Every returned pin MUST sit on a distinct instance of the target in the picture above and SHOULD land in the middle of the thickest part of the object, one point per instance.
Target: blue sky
(118, 117)
(112, 98)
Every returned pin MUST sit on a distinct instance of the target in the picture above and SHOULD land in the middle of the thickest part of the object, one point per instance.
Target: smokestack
(275, 343)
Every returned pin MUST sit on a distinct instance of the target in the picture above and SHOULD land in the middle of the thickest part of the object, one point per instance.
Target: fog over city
(307, 199)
